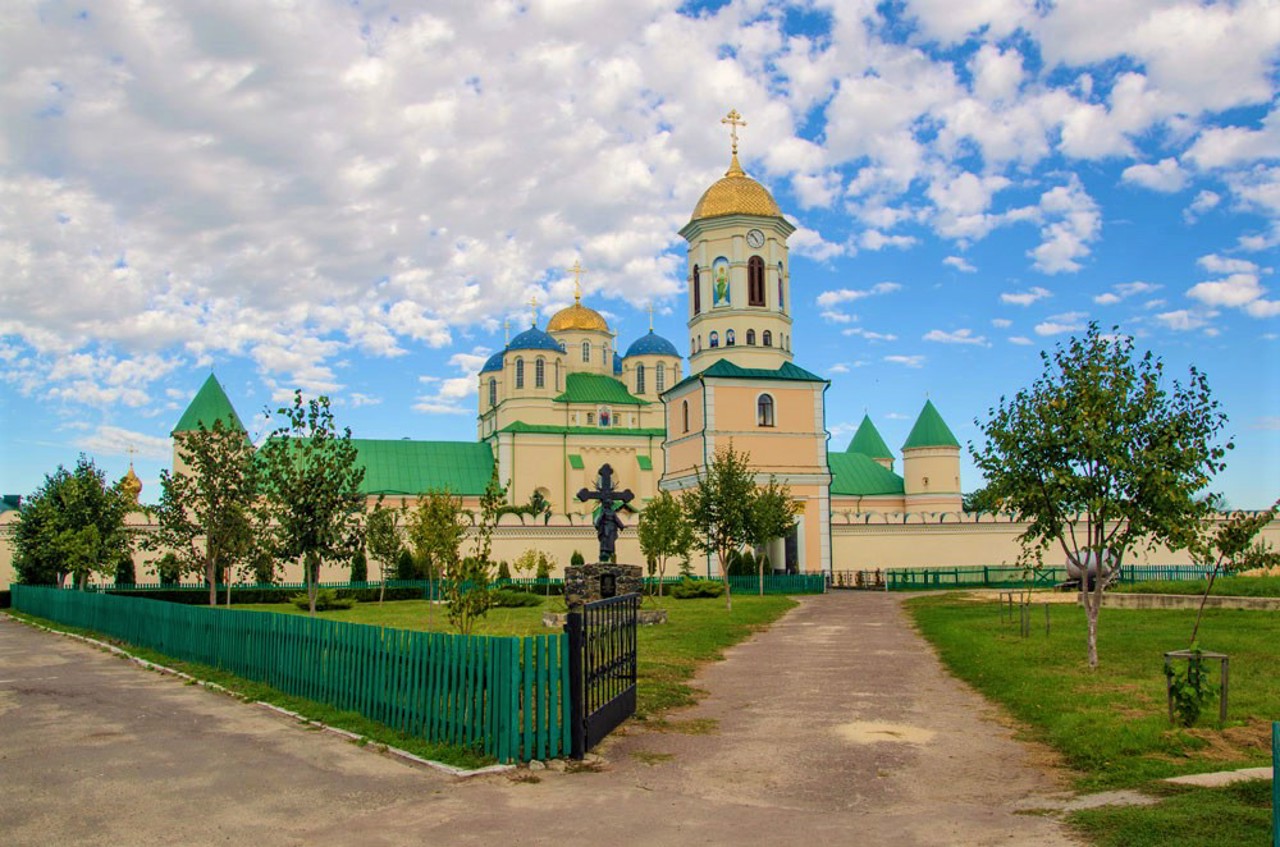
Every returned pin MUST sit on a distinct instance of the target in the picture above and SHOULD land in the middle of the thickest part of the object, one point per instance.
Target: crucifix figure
(608, 524)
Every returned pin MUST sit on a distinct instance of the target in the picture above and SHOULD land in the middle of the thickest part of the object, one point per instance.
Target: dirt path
(837, 726)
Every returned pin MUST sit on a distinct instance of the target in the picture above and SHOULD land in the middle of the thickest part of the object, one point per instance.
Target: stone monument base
(599, 581)
(644, 617)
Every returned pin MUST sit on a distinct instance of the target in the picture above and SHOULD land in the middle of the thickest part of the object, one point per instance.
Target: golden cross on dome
(533, 304)
(506, 332)
(734, 120)
(577, 271)
(651, 316)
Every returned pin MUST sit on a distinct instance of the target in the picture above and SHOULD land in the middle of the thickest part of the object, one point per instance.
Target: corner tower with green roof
(868, 442)
(931, 464)
(210, 405)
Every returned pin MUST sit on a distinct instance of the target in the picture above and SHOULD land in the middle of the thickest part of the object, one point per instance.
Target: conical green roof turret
(868, 442)
(930, 430)
(210, 404)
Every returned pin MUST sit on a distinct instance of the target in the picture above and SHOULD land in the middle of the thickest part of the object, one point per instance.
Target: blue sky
(352, 198)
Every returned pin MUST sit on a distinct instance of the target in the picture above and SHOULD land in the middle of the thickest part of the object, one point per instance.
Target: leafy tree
(468, 597)
(406, 567)
(125, 570)
(168, 568)
(773, 514)
(721, 509)
(1099, 457)
(312, 480)
(664, 531)
(979, 500)
(206, 514)
(72, 524)
(384, 539)
(436, 528)
(1227, 547)
(359, 567)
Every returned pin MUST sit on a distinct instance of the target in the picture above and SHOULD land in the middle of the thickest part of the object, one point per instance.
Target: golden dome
(131, 485)
(736, 194)
(577, 316)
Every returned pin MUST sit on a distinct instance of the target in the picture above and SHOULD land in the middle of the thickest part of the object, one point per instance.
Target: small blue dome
(617, 364)
(534, 339)
(652, 345)
(494, 363)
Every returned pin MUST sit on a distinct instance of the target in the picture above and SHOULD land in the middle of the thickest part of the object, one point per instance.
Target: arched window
(767, 339)
(729, 338)
(782, 307)
(660, 377)
(755, 281)
(764, 410)
(519, 373)
(713, 340)
(586, 351)
(697, 291)
(493, 391)
(684, 411)
(639, 379)
(751, 338)
(539, 373)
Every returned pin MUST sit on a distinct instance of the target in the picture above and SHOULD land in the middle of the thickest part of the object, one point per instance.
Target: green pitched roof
(725, 369)
(412, 467)
(930, 430)
(597, 388)
(645, 462)
(868, 442)
(210, 404)
(854, 474)
(521, 426)
(575, 462)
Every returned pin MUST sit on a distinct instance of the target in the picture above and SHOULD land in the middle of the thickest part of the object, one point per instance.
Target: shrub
(405, 567)
(507, 599)
(576, 559)
(326, 599)
(691, 589)
(504, 571)
(168, 569)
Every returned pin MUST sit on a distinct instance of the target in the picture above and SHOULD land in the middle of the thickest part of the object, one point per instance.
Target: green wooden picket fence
(508, 697)
(1013, 576)
(790, 583)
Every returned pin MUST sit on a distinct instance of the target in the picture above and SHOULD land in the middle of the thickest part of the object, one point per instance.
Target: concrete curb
(372, 744)
(1218, 779)
(1188, 601)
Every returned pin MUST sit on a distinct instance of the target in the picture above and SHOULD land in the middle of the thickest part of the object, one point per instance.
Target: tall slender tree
(1101, 457)
(664, 531)
(206, 514)
(773, 514)
(721, 509)
(311, 480)
(384, 538)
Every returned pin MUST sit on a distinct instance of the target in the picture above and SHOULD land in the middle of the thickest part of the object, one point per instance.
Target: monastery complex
(559, 401)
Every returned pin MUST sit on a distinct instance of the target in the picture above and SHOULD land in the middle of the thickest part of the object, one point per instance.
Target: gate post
(577, 702)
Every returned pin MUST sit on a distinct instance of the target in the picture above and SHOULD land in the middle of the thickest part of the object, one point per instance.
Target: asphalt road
(837, 726)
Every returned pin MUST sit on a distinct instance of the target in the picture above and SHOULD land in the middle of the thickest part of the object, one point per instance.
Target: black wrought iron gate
(602, 668)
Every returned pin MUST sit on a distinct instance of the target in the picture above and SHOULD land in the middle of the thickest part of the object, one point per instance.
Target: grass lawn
(698, 631)
(1224, 586)
(1111, 725)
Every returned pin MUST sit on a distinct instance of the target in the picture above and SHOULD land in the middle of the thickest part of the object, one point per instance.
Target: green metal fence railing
(505, 696)
(997, 576)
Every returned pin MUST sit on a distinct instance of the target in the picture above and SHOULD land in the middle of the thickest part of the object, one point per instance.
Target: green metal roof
(930, 430)
(868, 442)
(521, 426)
(597, 388)
(646, 463)
(412, 467)
(210, 404)
(575, 462)
(854, 474)
(725, 369)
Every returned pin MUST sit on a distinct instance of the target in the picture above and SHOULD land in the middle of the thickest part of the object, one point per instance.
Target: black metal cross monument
(608, 524)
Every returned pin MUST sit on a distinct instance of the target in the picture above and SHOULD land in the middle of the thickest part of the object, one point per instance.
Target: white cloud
(1215, 264)
(1001, 323)
(959, 336)
(848, 295)
(117, 441)
(1021, 340)
(1166, 176)
(1204, 201)
(1123, 291)
(876, 240)
(1025, 298)
(1072, 222)
(868, 335)
(1063, 323)
(1184, 320)
(959, 263)
(906, 361)
(1236, 290)
(836, 316)
(838, 368)
(1219, 147)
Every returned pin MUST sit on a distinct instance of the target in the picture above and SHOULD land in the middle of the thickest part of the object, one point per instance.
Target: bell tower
(739, 272)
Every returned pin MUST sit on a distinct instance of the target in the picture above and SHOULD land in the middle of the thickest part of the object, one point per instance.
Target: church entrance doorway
(792, 546)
